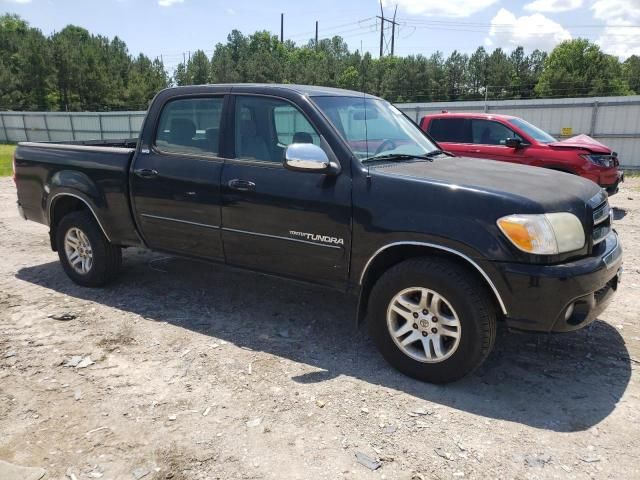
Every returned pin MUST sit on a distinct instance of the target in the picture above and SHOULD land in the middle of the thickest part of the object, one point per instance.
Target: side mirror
(513, 143)
(306, 157)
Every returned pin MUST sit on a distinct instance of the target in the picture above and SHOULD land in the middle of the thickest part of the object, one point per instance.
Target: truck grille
(601, 222)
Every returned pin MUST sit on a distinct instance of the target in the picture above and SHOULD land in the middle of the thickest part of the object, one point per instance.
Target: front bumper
(612, 188)
(564, 297)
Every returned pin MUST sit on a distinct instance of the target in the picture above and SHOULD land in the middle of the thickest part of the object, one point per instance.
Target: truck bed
(98, 169)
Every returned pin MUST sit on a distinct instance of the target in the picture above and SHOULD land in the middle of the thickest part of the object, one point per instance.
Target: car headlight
(547, 234)
(601, 160)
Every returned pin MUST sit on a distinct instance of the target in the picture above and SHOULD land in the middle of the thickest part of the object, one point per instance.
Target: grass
(6, 156)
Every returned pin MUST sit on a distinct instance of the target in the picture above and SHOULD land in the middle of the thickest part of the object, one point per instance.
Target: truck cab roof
(307, 90)
(485, 116)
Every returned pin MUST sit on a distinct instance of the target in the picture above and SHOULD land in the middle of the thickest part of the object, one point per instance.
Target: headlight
(601, 160)
(547, 234)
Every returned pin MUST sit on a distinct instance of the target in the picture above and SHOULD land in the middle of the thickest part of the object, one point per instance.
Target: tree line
(75, 70)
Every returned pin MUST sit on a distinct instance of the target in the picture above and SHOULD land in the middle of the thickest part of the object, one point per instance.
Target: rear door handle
(241, 185)
(146, 172)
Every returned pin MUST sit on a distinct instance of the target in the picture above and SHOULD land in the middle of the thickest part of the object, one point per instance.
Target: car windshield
(374, 128)
(533, 131)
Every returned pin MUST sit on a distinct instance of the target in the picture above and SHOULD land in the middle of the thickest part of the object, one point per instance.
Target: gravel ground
(186, 370)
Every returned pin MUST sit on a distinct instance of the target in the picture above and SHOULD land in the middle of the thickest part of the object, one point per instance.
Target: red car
(512, 139)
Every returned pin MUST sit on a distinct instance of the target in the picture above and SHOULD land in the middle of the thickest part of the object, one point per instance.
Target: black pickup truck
(336, 188)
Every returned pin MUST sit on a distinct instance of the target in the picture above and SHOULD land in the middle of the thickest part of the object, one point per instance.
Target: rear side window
(455, 130)
(488, 132)
(190, 125)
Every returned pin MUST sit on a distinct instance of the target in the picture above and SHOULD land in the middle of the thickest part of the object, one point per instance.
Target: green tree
(478, 72)
(499, 73)
(76, 70)
(579, 68)
(25, 66)
(349, 78)
(145, 79)
(456, 75)
(198, 68)
(631, 72)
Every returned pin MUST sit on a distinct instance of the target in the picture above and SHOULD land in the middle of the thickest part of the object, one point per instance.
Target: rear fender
(66, 185)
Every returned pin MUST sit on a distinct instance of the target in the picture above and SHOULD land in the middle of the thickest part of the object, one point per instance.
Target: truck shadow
(562, 383)
(619, 213)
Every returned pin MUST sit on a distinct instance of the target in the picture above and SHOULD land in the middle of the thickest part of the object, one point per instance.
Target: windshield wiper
(402, 156)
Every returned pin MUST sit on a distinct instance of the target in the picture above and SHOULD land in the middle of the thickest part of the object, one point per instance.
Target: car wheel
(432, 320)
(87, 257)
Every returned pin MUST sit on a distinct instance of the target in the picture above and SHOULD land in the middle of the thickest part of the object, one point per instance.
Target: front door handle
(241, 185)
(146, 172)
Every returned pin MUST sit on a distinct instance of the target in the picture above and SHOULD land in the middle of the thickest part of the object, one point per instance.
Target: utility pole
(393, 29)
(316, 35)
(382, 26)
(282, 28)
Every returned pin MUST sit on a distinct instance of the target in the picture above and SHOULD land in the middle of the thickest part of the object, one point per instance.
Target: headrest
(302, 137)
(248, 128)
(182, 130)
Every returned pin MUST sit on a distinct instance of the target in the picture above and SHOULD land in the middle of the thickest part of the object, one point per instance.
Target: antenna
(381, 17)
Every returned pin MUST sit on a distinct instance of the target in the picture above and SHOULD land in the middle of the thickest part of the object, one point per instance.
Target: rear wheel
(87, 257)
(431, 320)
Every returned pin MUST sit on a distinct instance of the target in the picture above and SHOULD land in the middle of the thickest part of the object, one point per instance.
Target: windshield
(373, 127)
(533, 131)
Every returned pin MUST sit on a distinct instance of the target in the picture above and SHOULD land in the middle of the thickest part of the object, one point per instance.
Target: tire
(106, 258)
(435, 352)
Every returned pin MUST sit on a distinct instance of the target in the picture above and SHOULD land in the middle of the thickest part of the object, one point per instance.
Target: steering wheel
(384, 146)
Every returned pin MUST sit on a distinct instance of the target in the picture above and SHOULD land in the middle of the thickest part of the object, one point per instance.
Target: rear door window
(454, 130)
(190, 126)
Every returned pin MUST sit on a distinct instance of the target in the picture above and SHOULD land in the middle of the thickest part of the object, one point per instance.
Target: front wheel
(431, 319)
(87, 257)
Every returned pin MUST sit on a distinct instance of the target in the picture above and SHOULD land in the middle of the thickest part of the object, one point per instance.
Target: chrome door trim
(177, 220)
(446, 249)
(61, 194)
(235, 230)
(277, 237)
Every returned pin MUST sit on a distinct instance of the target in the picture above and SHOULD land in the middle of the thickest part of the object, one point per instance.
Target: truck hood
(582, 142)
(542, 189)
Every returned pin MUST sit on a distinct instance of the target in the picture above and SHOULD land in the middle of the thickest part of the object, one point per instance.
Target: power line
(484, 24)
(331, 27)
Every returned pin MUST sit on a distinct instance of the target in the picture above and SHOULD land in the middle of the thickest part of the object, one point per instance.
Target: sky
(172, 28)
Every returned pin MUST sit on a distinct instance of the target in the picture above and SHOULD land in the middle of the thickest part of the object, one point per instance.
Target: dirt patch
(197, 371)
